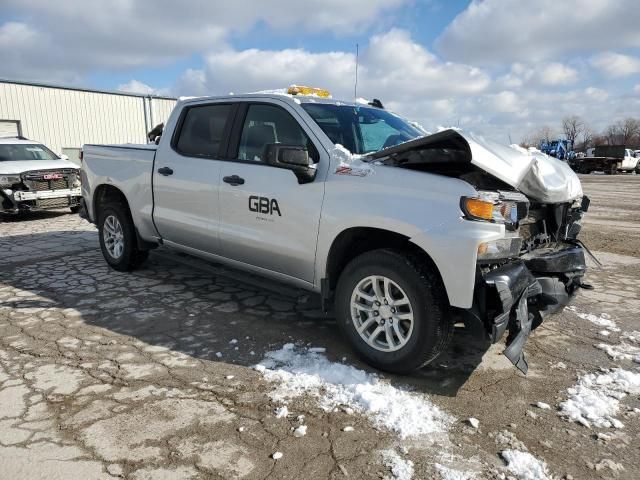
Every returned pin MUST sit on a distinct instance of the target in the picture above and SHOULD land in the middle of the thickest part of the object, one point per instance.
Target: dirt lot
(152, 375)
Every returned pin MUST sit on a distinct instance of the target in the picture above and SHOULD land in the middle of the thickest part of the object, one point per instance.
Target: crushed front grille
(38, 181)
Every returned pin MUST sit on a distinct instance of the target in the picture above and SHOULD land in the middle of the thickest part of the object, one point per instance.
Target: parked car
(402, 234)
(32, 177)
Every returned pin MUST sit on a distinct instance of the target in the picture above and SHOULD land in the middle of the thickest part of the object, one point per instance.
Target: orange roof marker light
(312, 91)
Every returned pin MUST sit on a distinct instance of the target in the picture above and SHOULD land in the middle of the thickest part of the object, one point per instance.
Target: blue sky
(497, 67)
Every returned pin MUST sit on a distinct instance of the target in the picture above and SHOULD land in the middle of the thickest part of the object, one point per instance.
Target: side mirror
(64, 157)
(291, 157)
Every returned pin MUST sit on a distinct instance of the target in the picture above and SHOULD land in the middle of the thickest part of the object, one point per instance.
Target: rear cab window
(202, 129)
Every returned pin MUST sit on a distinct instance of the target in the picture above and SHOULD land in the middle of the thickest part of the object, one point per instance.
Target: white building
(65, 118)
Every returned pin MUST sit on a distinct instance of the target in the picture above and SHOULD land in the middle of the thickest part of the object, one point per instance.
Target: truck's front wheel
(393, 310)
(118, 239)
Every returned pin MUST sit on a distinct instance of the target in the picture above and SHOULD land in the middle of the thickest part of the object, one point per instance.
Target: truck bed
(128, 168)
(608, 165)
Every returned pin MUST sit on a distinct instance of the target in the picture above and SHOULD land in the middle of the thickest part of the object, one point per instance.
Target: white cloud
(135, 86)
(253, 70)
(506, 102)
(403, 69)
(15, 34)
(25, 54)
(552, 74)
(82, 35)
(392, 65)
(558, 74)
(504, 31)
(614, 65)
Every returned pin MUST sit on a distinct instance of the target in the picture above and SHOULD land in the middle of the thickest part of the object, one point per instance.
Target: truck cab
(401, 233)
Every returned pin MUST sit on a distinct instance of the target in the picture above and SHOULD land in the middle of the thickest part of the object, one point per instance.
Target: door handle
(166, 171)
(233, 180)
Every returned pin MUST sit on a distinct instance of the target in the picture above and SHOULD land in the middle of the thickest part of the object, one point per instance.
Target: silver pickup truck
(403, 234)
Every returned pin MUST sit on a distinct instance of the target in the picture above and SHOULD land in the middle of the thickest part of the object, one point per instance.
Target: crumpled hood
(538, 176)
(535, 174)
(21, 166)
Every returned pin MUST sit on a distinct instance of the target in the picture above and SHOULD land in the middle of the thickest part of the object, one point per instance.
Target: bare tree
(543, 134)
(612, 134)
(623, 132)
(587, 137)
(629, 129)
(527, 141)
(572, 126)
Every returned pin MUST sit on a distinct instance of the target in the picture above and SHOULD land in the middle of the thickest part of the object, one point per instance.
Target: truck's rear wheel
(393, 310)
(118, 238)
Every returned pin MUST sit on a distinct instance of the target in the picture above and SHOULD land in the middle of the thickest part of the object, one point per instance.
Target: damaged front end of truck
(539, 264)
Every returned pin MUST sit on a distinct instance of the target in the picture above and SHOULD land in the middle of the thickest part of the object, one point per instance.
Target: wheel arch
(355, 241)
(107, 193)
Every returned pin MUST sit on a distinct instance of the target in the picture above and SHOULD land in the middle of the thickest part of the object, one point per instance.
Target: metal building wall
(160, 110)
(68, 118)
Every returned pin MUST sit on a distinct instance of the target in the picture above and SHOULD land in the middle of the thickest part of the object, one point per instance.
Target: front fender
(420, 206)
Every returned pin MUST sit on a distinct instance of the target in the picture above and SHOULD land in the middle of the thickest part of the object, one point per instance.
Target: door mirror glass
(291, 157)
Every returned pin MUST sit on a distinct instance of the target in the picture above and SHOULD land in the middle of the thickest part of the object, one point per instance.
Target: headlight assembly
(74, 180)
(507, 208)
(498, 249)
(8, 180)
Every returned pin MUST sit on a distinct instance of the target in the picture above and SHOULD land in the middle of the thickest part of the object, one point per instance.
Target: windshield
(361, 129)
(25, 151)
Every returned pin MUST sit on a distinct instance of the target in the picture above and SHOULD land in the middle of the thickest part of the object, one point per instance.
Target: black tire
(75, 209)
(131, 257)
(432, 327)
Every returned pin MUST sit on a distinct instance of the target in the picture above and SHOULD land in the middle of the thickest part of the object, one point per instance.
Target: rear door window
(202, 131)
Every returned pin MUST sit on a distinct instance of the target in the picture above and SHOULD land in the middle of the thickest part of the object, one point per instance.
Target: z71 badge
(264, 205)
(355, 172)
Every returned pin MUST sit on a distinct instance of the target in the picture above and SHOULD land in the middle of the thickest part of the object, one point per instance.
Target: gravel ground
(107, 375)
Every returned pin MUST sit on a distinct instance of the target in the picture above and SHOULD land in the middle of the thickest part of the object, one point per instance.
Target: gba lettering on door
(265, 206)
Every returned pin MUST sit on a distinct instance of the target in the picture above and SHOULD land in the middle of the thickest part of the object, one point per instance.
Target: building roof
(78, 89)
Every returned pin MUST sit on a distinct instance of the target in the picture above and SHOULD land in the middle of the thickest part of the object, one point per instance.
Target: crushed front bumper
(15, 201)
(516, 296)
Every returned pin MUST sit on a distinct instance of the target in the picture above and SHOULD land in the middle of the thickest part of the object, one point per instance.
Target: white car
(32, 177)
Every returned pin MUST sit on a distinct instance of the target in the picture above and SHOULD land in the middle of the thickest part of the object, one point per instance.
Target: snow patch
(349, 163)
(595, 400)
(400, 468)
(624, 351)
(301, 431)
(447, 473)
(633, 336)
(602, 320)
(525, 466)
(299, 372)
(543, 406)
(282, 412)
